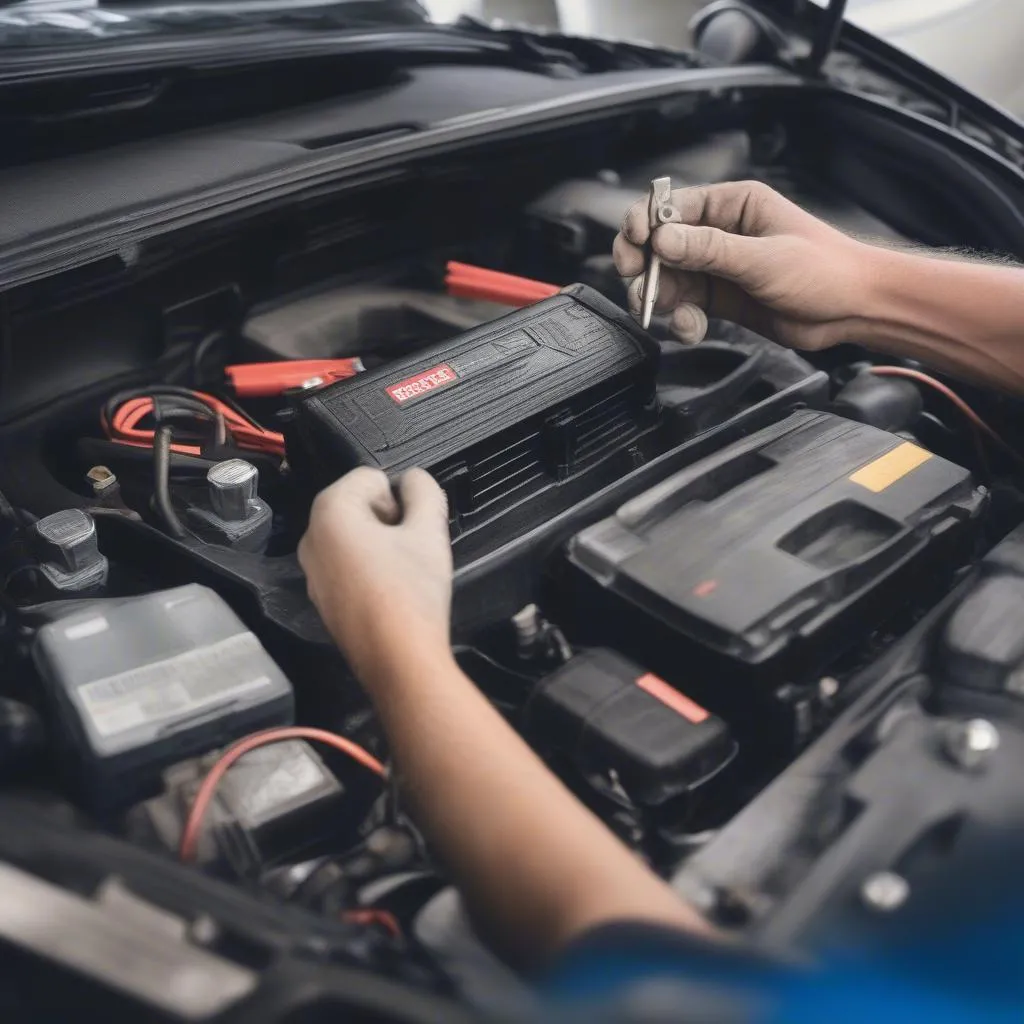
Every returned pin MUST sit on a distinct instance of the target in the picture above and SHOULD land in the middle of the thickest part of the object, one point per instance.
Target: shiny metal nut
(68, 539)
(885, 891)
(971, 744)
(232, 485)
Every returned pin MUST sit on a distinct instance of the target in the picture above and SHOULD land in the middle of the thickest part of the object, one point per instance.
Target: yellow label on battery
(892, 466)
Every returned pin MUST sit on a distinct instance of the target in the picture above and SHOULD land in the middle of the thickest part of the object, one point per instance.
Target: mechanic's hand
(744, 253)
(380, 572)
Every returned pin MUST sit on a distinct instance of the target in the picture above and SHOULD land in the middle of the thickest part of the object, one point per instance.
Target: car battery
(758, 566)
(278, 804)
(138, 684)
(606, 713)
(508, 412)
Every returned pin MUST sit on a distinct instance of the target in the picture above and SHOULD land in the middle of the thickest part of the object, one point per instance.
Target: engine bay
(678, 568)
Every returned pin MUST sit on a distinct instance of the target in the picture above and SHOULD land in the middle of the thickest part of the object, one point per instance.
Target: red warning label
(678, 702)
(422, 384)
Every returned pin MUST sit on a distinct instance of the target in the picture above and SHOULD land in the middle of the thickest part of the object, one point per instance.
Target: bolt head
(828, 687)
(885, 891)
(232, 485)
(68, 540)
(971, 744)
(204, 930)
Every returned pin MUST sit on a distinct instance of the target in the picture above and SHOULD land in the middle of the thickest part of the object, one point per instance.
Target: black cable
(162, 486)
(202, 350)
(14, 516)
(232, 404)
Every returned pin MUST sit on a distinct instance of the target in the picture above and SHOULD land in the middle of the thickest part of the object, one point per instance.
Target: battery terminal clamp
(234, 515)
(69, 554)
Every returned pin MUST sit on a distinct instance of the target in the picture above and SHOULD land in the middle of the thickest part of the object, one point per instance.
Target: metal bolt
(971, 744)
(828, 687)
(68, 539)
(232, 486)
(204, 930)
(885, 891)
(527, 625)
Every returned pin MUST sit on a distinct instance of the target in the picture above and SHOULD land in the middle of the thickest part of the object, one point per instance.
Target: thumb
(423, 501)
(736, 258)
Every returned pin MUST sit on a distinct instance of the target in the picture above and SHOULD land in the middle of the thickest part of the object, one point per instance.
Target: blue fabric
(973, 974)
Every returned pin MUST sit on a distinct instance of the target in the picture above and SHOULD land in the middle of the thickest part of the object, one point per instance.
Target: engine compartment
(675, 567)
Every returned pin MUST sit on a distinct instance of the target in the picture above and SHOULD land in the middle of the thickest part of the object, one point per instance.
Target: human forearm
(534, 864)
(960, 317)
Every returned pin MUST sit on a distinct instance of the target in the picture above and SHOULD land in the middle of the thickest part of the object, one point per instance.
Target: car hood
(56, 23)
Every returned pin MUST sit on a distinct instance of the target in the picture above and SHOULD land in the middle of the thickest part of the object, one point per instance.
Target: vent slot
(550, 448)
(499, 474)
(605, 426)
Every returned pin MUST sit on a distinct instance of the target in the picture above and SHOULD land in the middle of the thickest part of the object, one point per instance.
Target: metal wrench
(660, 211)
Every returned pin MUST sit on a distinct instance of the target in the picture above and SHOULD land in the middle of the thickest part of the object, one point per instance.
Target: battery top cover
(774, 537)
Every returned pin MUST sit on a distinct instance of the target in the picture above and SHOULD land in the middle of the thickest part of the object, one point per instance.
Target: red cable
(975, 420)
(124, 427)
(204, 795)
(372, 915)
(265, 380)
(466, 281)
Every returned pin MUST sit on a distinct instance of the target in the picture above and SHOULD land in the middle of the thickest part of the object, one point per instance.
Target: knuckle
(690, 248)
(759, 197)
(320, 503)
(363, 476)
(672, 242)
(691, 202)
(703, 248)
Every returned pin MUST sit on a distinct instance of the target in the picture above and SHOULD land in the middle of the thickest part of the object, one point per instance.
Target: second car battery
(760, 564)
